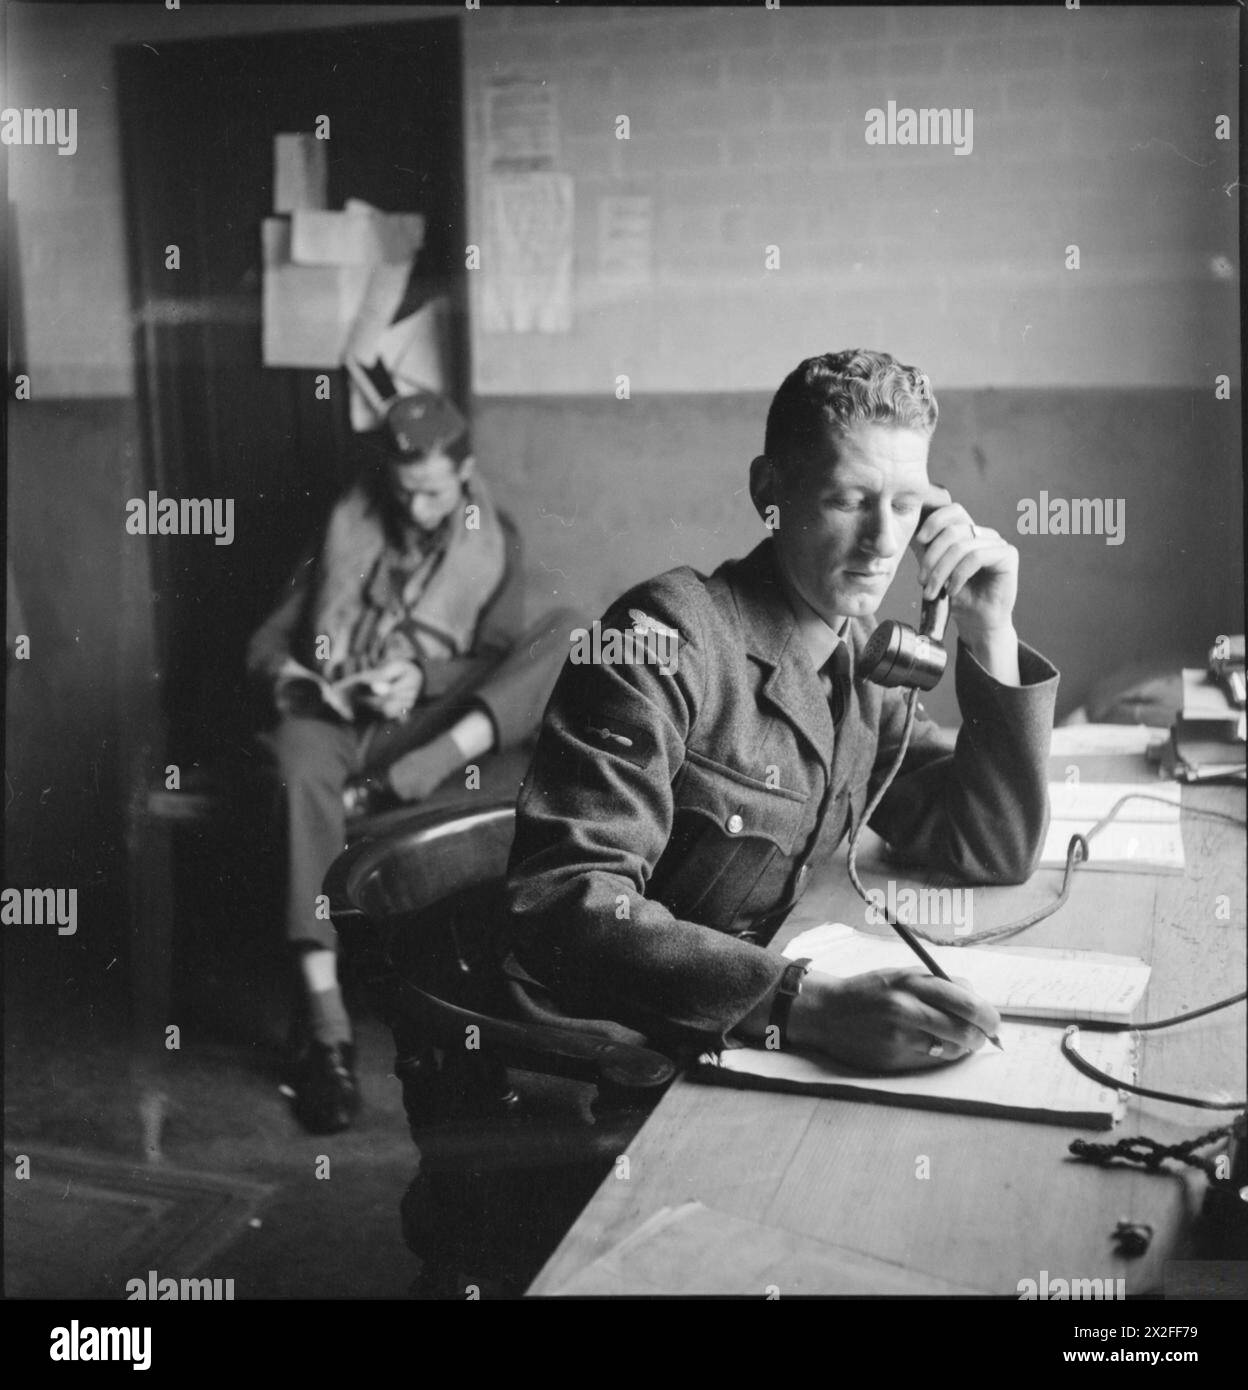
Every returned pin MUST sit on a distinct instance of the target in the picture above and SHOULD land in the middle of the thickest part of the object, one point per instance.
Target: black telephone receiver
(897, 655)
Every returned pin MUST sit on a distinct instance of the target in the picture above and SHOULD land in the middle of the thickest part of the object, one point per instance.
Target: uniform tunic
(668, 821)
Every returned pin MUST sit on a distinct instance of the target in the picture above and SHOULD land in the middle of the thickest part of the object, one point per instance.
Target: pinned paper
(527, 265)
(521, 125)
(308, 310)
(359, 235)
(625, 234)
(300, 172)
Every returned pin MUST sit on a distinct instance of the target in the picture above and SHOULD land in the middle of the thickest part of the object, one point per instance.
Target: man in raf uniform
(668, 821)
(396, 656)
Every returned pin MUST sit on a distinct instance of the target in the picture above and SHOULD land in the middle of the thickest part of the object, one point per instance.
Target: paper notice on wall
(300, 172)
(308, 311)
(359, 235)
(625, 238)
(527, 259)
(521, 125)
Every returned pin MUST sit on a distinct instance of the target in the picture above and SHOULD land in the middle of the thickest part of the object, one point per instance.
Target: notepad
(1020, 982)
(1144, 835)
(1030, 1080)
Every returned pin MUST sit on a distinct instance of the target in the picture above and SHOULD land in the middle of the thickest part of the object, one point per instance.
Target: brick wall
(1092, 128)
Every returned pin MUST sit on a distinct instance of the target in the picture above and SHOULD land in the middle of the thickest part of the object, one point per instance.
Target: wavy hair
(839, 390)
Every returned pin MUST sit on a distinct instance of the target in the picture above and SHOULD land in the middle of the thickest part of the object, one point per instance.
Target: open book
(1030, 1079)
(305, 691)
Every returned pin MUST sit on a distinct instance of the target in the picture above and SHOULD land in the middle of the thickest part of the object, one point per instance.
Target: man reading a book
(396, 656)
(672, 811)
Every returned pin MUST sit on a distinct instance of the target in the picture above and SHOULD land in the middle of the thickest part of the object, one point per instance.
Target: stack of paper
(1207, 741)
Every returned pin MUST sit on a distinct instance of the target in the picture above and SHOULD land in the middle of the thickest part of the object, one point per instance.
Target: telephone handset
(897, 655)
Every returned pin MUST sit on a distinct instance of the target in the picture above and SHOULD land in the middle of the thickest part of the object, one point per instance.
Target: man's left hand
(979, 567)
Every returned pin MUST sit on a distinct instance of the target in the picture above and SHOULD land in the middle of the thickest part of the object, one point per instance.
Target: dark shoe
(322, 1081)
(366, 796)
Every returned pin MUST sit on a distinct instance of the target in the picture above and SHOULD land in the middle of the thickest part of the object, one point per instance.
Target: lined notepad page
(1027, 983)
(1143, 835)
(1029, 1080)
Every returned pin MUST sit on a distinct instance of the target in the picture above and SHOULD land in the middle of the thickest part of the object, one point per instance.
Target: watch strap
(786, 991)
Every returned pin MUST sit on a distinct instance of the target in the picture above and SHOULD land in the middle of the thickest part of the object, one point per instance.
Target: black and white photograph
(625, 670)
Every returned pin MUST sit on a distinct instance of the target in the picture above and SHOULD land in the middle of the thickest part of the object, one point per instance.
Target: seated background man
(397, 656)
(668, 820)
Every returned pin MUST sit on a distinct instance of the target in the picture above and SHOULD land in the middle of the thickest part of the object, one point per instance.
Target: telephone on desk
(1226, 667)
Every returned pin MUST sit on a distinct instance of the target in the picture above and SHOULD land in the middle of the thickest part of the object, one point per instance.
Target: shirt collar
(819, 639)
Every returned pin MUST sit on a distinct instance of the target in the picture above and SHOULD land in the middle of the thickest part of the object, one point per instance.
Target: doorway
(198, 120)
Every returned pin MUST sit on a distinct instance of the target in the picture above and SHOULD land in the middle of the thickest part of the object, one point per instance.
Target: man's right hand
(889, 1020)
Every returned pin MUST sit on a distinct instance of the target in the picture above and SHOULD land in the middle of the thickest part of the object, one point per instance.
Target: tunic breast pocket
(728, 830)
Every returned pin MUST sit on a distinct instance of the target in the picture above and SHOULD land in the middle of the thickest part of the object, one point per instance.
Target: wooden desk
(1004, 1200)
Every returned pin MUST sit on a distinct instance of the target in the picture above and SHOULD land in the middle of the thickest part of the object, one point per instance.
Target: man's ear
(764, 485)
(465, 466)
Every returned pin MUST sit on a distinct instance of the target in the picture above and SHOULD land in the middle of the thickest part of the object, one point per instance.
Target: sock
(327, 1016)
(414, 776)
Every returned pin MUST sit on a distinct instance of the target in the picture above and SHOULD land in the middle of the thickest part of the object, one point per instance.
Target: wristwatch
(787, 990)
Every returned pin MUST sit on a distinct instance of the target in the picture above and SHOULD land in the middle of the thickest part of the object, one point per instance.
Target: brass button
(735, 824)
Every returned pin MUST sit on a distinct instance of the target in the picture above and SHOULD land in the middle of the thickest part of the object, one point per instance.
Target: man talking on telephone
(668, 821)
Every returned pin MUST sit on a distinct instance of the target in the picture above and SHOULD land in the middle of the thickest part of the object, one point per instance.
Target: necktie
(835, 679)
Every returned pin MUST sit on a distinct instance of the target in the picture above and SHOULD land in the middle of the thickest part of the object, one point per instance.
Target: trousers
(315, 757)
